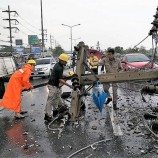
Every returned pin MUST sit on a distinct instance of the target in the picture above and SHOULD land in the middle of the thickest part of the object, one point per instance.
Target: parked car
(7, 67)
(69, 63)
(43, 67)
(136, 61)
(7, 64)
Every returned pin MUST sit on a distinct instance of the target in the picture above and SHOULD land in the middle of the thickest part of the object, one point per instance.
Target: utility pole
(45, 34)
(98, 46)
(51, 42)
(42, 33)
(55, 44)
(75, 40)
(10, 27)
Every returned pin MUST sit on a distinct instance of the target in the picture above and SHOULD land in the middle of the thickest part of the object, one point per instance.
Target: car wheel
(2, 88)
(31, 78)
(48, 76)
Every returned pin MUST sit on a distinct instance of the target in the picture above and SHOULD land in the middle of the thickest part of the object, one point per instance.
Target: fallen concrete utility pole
(89, 79)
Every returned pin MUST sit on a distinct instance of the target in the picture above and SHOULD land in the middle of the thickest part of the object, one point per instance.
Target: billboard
(19, 50)
(33, 40)
(35, 49)
(27, 50)
(18, 42)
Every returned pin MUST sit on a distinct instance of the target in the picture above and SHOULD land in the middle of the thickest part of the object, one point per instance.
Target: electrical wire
(28, 23)
(89, 146)
(27, 28)
(2, 26)
(24, 26)
(2, 17)
(141, 41)
(4, 41)
(2, 9)
(23, 32)
(2, 34)
(141, 114)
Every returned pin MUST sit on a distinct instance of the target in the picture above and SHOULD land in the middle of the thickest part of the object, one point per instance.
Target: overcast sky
(111, 22)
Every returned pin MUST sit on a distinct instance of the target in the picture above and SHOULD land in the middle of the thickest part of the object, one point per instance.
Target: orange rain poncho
(18, 81)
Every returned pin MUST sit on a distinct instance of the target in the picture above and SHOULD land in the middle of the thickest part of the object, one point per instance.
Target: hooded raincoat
(18, 81)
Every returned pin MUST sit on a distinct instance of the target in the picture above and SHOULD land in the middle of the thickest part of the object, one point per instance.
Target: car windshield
(42, 61)
(137, 58)
(34, 56)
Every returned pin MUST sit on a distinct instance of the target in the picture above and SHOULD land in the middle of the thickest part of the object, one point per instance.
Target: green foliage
(57, 51)
(120, 50)
(131, 50)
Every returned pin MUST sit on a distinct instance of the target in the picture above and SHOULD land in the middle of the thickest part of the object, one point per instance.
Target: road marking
(114, 121)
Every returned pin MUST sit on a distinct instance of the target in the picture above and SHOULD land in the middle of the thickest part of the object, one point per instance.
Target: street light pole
(71, 38)
(42, 32)
(71, 32)
(75, 40)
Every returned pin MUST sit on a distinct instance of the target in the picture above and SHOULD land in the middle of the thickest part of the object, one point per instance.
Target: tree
(132, 50)
(119, 49)
(57, 51)
(143, 50)
(109, 48)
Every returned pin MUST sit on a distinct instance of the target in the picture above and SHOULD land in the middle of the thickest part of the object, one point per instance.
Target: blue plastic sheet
(99, 96)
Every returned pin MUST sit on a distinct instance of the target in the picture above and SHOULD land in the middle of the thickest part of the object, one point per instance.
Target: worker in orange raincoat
(18, 81)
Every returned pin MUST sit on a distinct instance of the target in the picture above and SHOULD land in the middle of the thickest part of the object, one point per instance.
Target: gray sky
(111, 22)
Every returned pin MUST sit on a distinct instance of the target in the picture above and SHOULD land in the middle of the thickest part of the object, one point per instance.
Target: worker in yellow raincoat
(94, 60)
(18, 81)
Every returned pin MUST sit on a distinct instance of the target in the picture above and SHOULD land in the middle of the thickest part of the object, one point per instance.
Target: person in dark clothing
(103, 66)
(54, 100)
(2, 87)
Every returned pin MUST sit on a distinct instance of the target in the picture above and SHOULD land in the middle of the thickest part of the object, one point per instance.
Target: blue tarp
(99, 97)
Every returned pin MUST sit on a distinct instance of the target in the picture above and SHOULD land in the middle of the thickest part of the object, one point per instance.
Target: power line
(141, 41)
(23, 32)
(4, 46)
(4, 41)
(2, 26)
(2, 9)
(28, 23)
(27, 28)
(10, 27)
(2, 17)
(2, 34)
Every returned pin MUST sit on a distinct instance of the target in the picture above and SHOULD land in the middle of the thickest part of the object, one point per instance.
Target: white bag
(98, 89)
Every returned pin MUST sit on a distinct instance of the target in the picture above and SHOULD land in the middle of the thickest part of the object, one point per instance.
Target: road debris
(89, 146)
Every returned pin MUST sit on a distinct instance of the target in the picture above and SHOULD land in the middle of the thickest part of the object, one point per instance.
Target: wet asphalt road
(32, 138)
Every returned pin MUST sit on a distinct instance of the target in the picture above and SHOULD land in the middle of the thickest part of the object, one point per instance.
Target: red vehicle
(136, 61)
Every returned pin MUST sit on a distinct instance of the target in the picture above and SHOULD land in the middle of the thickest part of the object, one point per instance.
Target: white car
(43, 67)
(69, 64)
